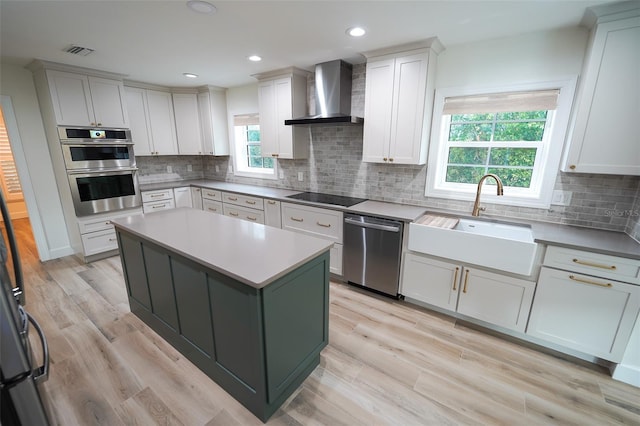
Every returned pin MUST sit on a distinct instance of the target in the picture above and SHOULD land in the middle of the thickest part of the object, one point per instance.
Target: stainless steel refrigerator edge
(372, 252)
(21, 403)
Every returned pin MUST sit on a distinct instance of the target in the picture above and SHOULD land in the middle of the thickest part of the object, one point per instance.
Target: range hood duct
(333, 96)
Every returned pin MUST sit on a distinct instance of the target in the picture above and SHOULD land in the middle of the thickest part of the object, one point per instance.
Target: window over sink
(249, 161)
(516, 132)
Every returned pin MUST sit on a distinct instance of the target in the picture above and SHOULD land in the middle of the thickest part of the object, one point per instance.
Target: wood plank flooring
(387, 362)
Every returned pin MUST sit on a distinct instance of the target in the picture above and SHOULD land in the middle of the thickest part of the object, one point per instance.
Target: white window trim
(550, 154)
(243, 171)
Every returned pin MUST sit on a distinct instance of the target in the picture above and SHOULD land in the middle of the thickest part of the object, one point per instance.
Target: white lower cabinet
(158, 200)
(493, 298)
(211, 206)
(272, 213)
(317, 222)
(182, 196)
(588, 314)
(98, 234)
(196, 198)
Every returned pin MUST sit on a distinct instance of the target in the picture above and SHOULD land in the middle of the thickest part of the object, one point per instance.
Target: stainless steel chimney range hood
(333, 96)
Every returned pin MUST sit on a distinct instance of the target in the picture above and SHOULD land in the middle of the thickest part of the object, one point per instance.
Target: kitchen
(393, 183)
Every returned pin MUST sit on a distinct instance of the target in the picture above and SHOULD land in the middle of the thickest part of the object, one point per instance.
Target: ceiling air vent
(78, 50)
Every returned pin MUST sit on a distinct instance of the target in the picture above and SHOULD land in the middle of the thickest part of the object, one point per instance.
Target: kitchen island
(246, 303)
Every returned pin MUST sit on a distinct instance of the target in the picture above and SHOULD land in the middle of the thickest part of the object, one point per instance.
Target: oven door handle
(96, 142)
(97, 171)
(41, 374)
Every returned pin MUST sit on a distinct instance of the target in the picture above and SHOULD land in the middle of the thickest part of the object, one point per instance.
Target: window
(516, 133)
(248, 151)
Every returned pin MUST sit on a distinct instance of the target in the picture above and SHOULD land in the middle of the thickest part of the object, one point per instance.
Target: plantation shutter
(539, 100)
(8, 172)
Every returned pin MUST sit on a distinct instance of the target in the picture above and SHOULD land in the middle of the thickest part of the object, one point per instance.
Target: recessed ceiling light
(254, 58)
(190, 75)
(201, 6)
(356, 31)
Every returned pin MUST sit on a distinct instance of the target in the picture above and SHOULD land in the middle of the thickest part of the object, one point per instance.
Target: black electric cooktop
(337, 200)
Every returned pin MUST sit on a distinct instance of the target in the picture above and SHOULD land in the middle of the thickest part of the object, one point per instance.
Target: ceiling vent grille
(78, 50)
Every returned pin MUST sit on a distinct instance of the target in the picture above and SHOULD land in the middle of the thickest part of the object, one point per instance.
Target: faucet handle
(482, 209)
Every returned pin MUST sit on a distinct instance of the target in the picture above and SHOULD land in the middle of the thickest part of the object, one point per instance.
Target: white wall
(528, 57)
(43, 200)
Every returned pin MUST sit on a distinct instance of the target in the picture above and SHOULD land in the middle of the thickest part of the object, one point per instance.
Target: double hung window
(248, 150)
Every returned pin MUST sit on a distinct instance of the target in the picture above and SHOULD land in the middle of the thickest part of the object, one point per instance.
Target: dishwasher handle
(388, 228)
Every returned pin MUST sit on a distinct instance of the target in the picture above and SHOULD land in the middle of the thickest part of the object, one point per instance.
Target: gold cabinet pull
(250, 202)
(324, 225)
(211, 209)
(584, 281)
(390, 160)
(466, 280)
(296, 219)
(274, 155)
(112, 239)
(157, 195)
(595, 265)
(232, 198)
(455, 279)
(384, 158)
(233, 214)
(271, 202)
(252, 218)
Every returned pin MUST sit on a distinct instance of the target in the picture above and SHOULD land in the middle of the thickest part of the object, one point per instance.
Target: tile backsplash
(335, 166)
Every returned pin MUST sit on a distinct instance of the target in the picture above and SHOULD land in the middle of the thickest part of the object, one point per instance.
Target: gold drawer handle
(252, 218)
(250, 202)
(157, 195)
(232, 198)
(595, 265)
(466, 280)
(159, 206)
(582, 280)
(455, 279)
(233, 214)
(271, 202)
(296, 219)
(324, 225)
(112, 239)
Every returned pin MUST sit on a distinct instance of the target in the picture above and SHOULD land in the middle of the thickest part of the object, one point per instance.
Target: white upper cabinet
(152, 121)
(398, 103)
(212, 106)
(605, 138)
(81, 100)
(282, 97)
(185, 109)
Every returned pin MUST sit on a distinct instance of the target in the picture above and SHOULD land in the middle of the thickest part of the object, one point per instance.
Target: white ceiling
(156, 41)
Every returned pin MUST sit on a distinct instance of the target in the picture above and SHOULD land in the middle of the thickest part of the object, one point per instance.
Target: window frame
(240, 151)
(548, 156)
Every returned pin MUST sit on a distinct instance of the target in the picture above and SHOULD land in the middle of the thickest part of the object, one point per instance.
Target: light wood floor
(387, 363)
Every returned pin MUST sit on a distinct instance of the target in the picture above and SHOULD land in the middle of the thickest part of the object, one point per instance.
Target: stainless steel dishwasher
(372, 251)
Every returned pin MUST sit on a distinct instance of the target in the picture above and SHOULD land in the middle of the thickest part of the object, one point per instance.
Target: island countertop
(251, 253)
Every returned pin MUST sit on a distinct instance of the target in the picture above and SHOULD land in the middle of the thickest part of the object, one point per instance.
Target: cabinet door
(138, 120)
(134, 270)
(212, 107)
(182, 197)
(268, 118)
(71, 98)
(161, 123)
(496, 299)
(431, 281)
(185, 109)
(592, 315)
(409, 86)
(196, 198)
(377, 111)
(605, 135)
(284, 111)
(108, 100)
(272, 214)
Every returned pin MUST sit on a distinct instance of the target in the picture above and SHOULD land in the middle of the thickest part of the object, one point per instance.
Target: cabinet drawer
(211, 194)
(102, 224)
(313, 221)
(251, 215)
(99, 242)
(212, 206)
(599, 265)
(243, 200)
(158, 206)
(162, 194)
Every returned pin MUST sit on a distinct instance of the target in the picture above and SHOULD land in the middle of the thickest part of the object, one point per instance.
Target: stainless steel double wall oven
(101, 169)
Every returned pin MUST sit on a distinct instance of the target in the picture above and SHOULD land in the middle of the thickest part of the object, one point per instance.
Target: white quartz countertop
(402, 212)
(251, 253)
